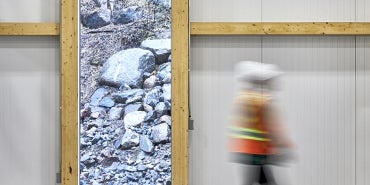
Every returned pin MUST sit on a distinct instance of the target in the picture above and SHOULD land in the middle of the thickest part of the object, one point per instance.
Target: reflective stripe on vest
(247, 133)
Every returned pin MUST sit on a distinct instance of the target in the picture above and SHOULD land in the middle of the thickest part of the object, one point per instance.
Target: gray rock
(147, 108)
(163, 34)
(149, 82)
(134, 118)
(127, 15)
(117, 144)
(165, 119)
(141, 155)
(133, 107)
(165, 3)
(91, 161)
(96, 138)
(152, 97)
(97, 96)
(145, 144)
(100, 3)
(150, 116)
(164, 73)
(126, 168)
(98, 110)
(163, 166)
(161, 48)
(133, 178)
(108, 161)
(141, 167)
(160, 133)
(95, 115)
(166, 88)
(129, 140)
(97, 19)
(115, 113)
(85, 157)
(162, 108)
(85, 111)
(127, 67)
(129, 96)
(130, 168)
(106, 102)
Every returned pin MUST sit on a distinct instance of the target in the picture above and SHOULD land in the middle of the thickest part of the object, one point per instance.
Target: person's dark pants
(257, 169)
(258, 174)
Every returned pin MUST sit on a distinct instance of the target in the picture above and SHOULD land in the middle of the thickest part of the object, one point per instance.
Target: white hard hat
(256, 71)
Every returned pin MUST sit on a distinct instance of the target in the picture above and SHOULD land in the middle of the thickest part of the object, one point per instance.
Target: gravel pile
(125, 92)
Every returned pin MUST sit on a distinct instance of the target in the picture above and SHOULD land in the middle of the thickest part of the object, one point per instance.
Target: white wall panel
(29, 112)
(317, 98)
(211, 91)
(363, 10)
(363, 110)
(224, 11)
(29, 11)
(307, 11)
(280, 11)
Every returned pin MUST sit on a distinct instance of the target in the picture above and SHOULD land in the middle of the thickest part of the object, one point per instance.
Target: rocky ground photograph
(125, 92)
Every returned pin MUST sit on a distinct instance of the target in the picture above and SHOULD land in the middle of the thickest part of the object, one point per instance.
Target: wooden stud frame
(180, 91)
(280, 28)
(69, 86)
(220, 28)
(29, 29)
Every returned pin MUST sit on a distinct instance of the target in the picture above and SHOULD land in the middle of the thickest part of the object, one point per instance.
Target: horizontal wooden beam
(280, 28)
(39, 29)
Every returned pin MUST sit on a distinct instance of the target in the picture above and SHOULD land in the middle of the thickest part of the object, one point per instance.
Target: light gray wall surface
(29, 112)
(29, 97)
(29, 11)
(363, 110)
(279, 11)
(323, 97)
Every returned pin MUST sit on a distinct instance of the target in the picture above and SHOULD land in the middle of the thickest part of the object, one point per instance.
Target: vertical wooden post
(180, 91)
(69, 82)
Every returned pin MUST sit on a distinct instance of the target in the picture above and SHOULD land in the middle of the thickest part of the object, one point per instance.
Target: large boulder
(127, 15)
(127, 67)
(97, 19)
(160, 47)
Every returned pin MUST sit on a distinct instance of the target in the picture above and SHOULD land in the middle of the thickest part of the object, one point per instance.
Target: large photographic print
(125, 92)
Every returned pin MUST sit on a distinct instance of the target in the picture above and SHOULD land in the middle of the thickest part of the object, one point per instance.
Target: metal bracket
(191, 124)
(58, 178)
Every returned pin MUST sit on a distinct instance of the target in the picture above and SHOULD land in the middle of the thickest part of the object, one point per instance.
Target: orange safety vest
(249, 133)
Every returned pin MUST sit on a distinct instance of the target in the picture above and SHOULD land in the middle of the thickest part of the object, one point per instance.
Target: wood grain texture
(38, 29)
(69, 102)
(180, 91)
(280, 28)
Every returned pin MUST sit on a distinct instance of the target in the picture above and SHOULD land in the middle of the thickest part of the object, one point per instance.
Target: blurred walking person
(257, 136)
